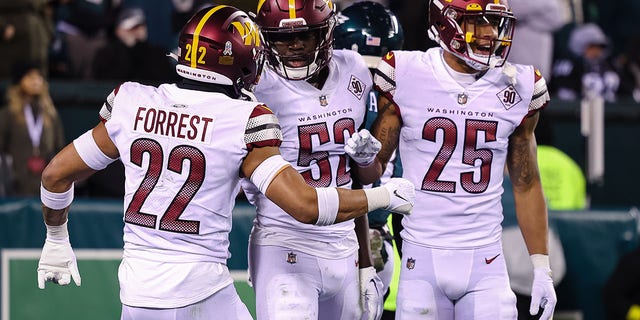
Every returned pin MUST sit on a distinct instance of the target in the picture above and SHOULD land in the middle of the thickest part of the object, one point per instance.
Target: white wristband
(57, 232)
(55, 200)
(328, 203)
(377, 198)
(540, 261)
(90, 153)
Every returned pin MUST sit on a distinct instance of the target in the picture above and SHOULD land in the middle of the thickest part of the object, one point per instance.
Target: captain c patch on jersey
(509, 97)
(356, 87)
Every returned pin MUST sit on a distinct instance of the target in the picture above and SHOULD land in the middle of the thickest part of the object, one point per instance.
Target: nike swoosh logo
(488, 261)
(395, 192)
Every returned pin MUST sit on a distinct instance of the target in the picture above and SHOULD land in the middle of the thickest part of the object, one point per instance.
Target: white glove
(371, 295)
(543, 295)
(57, 261)
(402, 195)
(362, 147)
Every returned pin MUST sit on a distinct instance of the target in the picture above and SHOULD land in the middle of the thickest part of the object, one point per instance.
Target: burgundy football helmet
(282, 19)
(449, 26)
(221, 45)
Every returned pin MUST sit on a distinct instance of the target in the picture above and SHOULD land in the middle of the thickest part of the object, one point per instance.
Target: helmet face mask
(370, 29)
(299, 40)
(221, 45)
(479, 32)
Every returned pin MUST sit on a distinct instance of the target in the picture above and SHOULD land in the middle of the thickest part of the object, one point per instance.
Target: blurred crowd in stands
(582, 47)
(579, 45)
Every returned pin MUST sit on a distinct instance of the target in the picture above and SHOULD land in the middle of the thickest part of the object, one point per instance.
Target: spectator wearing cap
(129, 55)
(31, 131)
(589, 70)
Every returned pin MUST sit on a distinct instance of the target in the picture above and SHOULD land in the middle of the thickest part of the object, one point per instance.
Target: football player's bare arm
(369, 174)
(291, 193)
(67, 167)
(531, 209)
(364, 250)
(386, 128)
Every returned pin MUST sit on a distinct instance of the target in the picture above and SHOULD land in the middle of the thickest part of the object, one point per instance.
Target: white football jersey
(182, 151)
(315, 123)
(453, 143)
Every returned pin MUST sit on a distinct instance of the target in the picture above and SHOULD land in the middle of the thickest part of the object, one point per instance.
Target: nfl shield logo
(323, 100)
(462, 99)
(411, 263)
(292, 258)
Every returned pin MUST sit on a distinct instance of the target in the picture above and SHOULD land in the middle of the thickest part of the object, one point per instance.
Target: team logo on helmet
(248, 31)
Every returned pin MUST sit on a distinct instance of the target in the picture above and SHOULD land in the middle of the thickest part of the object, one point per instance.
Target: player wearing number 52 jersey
(315, 124)
(185, 148)
(458, 113)
(320, 99)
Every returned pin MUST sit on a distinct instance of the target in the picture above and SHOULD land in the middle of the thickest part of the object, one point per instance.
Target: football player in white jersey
(185, 148)
(458, 113)
(373, 30)
(301, 271)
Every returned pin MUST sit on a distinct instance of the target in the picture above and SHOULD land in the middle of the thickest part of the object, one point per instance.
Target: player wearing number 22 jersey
(163, 131)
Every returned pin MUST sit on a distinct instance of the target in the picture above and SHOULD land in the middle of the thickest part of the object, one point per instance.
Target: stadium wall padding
(593, 242)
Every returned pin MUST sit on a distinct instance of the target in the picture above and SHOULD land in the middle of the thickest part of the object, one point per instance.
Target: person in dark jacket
(129, 56)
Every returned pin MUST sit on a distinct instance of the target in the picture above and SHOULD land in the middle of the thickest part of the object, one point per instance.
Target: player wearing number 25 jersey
(458, 113)
(185, 148)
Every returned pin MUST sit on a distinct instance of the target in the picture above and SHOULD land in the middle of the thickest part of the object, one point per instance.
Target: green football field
(96, 299)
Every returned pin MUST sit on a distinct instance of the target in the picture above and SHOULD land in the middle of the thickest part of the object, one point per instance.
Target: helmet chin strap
(473, 64)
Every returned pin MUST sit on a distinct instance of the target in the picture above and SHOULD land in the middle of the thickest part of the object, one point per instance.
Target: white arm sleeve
(90, 153)
(266, 171)
(328, 205)
(56, 200)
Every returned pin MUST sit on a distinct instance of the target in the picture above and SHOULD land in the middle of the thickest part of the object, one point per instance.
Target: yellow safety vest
(390, 301)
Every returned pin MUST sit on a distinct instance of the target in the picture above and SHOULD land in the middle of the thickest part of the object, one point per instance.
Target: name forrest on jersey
(173, 124)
